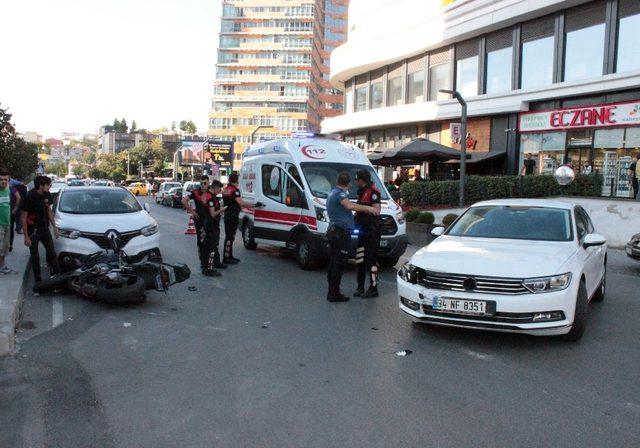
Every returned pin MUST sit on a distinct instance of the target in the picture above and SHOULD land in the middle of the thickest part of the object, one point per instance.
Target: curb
(8, 327)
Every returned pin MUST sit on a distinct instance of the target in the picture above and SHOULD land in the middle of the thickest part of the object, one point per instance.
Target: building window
(467, 68)
(348, 98)
(628, 57)
(499, 61)
(440, 78)
(584, 42)
(394, 87)
(376, 95)
(415, 87)
(537, 53)
(361, 98)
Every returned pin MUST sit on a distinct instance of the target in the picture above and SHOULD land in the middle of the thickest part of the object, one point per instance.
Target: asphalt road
(259, 358)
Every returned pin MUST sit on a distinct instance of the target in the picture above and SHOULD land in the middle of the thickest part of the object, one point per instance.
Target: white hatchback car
(88, 217)
(518, 265)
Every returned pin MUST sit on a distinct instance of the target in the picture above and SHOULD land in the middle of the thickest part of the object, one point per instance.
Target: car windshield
(322, 178)
(514, 222)
(89, 202)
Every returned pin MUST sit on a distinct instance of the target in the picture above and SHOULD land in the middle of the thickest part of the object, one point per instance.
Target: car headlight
(321, 214)
(407, 272)
(149, 230)
(547, 284)
(635, 240)
(72, 234)
(400, 217)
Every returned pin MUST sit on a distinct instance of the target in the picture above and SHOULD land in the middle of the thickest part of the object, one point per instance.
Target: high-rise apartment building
(272, 69)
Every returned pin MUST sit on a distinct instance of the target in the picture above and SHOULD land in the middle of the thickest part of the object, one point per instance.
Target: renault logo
(469, 283)
(114, 238)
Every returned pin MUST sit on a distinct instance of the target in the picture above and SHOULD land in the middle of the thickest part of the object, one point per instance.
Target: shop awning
(480, 156)
(416, 151)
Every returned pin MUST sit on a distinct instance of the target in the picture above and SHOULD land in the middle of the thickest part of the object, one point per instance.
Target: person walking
(368, 226)
(233, 202)
(634, 170)
(529, 166)
(36, 215)
(341, 223)
(18, 193)
(198, 212)
(211, 226)
(5, 219)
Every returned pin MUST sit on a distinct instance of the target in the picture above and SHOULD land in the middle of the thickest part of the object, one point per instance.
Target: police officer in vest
(368, 226)
(233, 202)
(198, 211)
(340, 210)
(211, 226)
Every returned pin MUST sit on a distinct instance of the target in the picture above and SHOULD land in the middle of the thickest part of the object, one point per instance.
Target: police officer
(198, 212)
(368, 226)
(341, 224)
(211, 226)
(233, 202)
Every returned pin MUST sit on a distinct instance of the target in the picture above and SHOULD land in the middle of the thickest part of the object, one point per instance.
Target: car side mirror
(147, 207)
(593, 239)
(437, 231)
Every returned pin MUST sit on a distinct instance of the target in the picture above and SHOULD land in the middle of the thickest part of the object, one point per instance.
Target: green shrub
(448, 219)
(426, 218)
(479, 188)
(412, 214)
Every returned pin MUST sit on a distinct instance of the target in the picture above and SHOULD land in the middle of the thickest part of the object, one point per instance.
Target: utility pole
(253, 133)
(463, 141)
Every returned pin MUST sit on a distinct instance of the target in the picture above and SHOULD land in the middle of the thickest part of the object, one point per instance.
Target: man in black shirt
(529, 166)
(633, 175)
(36, 215)
(233, 202)
(368, 226)
(198, 211)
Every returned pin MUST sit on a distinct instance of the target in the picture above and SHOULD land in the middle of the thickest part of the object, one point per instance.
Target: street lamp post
(463, 140)
(253, 133)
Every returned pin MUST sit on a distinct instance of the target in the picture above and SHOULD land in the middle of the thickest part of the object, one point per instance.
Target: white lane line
(57, 314)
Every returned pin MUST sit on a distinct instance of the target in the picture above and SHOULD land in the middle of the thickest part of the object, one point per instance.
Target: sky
(75, 65)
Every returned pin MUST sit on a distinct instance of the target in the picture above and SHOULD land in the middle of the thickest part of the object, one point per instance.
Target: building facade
(272, 75)
(557, 79)
(112, 142)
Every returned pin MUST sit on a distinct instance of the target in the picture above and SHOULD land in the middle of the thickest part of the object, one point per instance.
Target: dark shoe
(236, 260)
(337, 297)
(211, 273)
(219, 265)
(371, 292)
(231, 261)
(359, 291)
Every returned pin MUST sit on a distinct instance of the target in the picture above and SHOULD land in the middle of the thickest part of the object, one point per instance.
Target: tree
(58, 167)
(17, 156)
(123, 126)
(191, 127)
(183, 125)
(134, 127)
(173, 127)
(116, 125)
(110, 166)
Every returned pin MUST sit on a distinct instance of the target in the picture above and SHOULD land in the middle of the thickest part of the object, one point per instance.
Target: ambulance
(289, 181)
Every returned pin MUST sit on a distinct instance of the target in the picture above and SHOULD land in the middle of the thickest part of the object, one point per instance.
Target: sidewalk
(12, 293)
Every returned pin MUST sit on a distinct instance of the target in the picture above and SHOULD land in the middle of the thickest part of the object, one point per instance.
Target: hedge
(480, 188)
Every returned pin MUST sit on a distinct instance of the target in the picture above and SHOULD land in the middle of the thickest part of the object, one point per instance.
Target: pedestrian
(18, 193)
(587, 168)
(233, 202)
(634, 170)
(368, 228)
(5, 219)
(341, 223)
(198, 212)
(211, 226)
(529, 166)
(36, 215)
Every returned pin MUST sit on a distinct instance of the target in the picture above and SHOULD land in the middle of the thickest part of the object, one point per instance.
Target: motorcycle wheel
(52, 283)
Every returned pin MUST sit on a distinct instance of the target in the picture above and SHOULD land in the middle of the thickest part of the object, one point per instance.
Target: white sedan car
(518, 265)
(89, 217)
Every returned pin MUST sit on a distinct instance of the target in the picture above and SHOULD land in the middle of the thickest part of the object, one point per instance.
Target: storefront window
(375, 92)
(440, 76)
(499, 70)
(608, 138)
(415, 87)
(348, 100)
(584, 53)
(628, 57)
(361, 98)
(467, 76)
(394, 87)
(632, 138)
(537, 62)
(546, 149)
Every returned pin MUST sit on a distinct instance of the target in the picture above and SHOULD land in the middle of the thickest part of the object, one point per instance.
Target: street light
(463, 140)
(256, 130)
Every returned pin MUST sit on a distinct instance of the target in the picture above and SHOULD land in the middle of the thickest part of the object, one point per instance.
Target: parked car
(173, 198)
(55, 189)
(76, 183)
(138, 188)
(87, 217)
(102, 183)
(519, 265)
(633, 247)
(164, 189)
(191, 185)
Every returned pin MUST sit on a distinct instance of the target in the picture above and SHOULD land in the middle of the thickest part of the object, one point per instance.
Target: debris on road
(374, 328)
(126, 324)
(405, 352)
(192, 288)
(266, 324)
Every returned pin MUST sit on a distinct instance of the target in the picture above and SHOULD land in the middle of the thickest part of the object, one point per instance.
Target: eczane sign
(605, 115)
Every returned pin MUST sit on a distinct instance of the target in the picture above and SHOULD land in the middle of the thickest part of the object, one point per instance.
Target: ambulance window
(294, 173)
(272, 182)
(293, 196)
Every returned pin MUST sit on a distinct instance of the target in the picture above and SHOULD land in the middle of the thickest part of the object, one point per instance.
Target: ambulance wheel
(306, 254)
(247, 237)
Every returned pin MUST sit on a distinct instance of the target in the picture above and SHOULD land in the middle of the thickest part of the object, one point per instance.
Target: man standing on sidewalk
(36, 215)
(634, 170)
(368, 226)
(5, 219)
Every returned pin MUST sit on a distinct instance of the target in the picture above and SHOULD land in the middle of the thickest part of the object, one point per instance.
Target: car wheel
(388, 262)
(247, 237)
(306, 255)
(602, 288)
(580, 316)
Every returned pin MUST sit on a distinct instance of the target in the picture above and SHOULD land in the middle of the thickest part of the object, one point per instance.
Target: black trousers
(339, 249)
(197, 223)
(44, 237)
(209, 253)
(367, 256)
(230, 229)
(634, 184)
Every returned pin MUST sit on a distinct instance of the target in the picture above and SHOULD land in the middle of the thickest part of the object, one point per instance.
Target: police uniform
(211, 226)
(339, 237)
(231, 220)
(368, 226)
(196, 196)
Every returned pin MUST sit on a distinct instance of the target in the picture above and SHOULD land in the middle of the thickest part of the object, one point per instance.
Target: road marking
(478, 355)
(57, 313)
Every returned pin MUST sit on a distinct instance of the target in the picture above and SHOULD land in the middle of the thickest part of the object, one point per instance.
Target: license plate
(461, 306)
(384, 243)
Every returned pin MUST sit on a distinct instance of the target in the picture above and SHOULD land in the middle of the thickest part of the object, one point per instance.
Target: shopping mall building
(559, 79)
